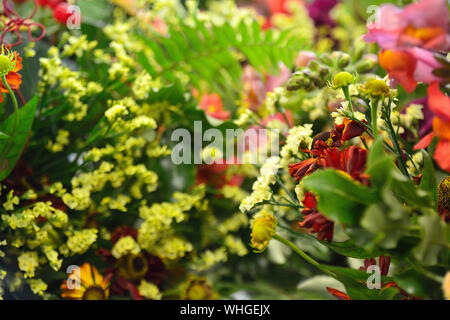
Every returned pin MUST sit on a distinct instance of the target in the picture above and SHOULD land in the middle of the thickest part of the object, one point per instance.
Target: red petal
(425, 142)
(439, 103)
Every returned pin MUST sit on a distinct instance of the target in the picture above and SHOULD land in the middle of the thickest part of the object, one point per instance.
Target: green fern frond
(207, 56)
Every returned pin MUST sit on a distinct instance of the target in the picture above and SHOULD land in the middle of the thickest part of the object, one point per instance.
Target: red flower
(215, 174)
(349, 129)
(213, 106)
(129, 270)
(314, 220)
(351, 160)
(301, 169)
(439, 103)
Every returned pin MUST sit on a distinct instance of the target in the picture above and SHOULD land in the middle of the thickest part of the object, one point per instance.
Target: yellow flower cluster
(209, 259)
(80, 241)
(62, 140)
(149, 290)
(126, 245)
(76, 88)
(28, 262)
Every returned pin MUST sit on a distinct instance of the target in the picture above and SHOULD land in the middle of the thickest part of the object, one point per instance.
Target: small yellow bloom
(263, 230)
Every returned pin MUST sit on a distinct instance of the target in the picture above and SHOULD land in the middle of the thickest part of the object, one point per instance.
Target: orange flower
(86, 283)
(401, 66)
(12, 77)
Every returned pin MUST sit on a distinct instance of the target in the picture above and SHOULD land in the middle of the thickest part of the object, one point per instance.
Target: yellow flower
(263, 230)
(85, 283)
(198, 289)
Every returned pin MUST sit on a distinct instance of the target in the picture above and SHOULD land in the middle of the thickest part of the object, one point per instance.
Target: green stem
(302, 254)
(346, 91)
(16, 120)
(397, 149)
(374, 117)
(285, 189)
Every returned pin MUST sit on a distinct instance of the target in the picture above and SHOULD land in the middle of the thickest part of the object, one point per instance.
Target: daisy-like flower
(86, 284)
(10, 65)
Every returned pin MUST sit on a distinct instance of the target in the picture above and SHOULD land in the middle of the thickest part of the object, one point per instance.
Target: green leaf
(4, 136)
(355, 282)
(379, 165)
(433, 234)
(428, 182)
(414, 282)
(340, 198)
(350, 249)
(387, 220)
(26, 117)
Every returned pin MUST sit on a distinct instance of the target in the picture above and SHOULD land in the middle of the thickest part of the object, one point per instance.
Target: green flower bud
(343, 79)
(365, 65)
(327, 59)
(342, 59)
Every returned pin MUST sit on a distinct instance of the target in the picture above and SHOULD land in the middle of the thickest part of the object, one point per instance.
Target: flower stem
(16, 119)
(346, 91)
(302, 254)
(374, 116)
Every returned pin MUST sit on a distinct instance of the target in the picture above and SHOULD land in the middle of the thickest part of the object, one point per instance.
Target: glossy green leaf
(26, 117)
(340, 198)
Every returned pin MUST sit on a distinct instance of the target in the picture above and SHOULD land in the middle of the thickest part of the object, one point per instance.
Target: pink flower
(408, 37)
(304, 57)
(256, 86)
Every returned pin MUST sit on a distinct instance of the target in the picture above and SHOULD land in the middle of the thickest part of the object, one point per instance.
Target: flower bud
(342, 59)
(263, 230)
(365, 65)
(343, 79)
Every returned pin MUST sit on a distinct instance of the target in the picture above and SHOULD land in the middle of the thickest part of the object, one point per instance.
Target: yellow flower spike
(263, 230)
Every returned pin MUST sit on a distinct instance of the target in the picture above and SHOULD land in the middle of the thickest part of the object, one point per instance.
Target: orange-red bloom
(439, 103)
(13, 78)
(315, 221)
